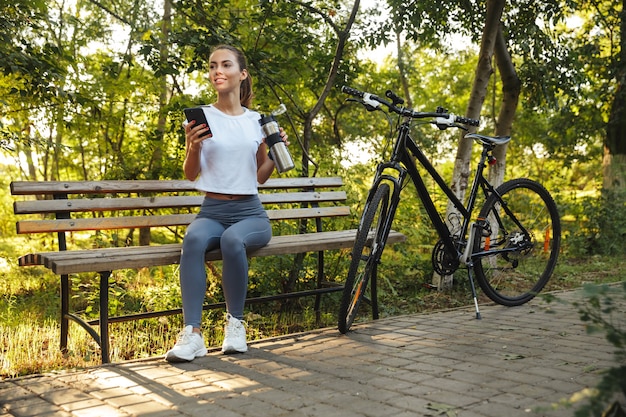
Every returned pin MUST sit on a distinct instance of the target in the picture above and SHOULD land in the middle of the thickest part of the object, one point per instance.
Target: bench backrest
(69, 206)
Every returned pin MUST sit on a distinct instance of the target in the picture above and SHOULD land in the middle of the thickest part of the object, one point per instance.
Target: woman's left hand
(283, 136)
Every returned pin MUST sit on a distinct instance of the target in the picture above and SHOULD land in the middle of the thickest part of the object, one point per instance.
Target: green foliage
(431, 21)
(598, 224)
(33, 64)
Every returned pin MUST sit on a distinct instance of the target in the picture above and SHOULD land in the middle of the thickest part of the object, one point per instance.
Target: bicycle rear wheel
(366, 253)
(519, 244)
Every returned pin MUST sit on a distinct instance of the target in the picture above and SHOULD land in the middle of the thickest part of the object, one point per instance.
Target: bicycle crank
(444, 263)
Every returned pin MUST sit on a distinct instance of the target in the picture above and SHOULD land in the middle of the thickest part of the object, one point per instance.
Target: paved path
(513, 362)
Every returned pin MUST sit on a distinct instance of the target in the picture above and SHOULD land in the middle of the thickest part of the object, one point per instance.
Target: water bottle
(278, 150)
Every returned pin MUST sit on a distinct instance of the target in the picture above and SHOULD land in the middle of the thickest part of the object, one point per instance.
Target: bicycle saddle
(489, 140)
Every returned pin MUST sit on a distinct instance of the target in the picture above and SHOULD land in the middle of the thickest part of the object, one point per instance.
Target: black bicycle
(511, 246)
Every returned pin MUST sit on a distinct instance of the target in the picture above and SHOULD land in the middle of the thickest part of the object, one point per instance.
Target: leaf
(512, 357)
(441, 409)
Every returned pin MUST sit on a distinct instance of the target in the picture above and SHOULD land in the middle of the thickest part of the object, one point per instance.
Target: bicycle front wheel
(368, 246)
(517, 251)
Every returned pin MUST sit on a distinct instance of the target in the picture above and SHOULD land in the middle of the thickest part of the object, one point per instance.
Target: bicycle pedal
(430, 286)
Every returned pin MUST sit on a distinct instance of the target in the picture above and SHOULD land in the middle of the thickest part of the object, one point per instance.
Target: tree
(614, 162)
(505, 31)
(484, 70)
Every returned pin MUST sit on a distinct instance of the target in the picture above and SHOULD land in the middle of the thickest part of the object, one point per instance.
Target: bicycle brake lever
(371, 101)
(461, 127)
(444, 126)
(449, 121)
(445, 122)
(367, 106)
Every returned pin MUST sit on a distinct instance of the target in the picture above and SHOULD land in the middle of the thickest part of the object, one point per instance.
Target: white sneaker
(189, 345)
(234, 336)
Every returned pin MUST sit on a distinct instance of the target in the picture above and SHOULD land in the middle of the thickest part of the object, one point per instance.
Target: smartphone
(197, 114)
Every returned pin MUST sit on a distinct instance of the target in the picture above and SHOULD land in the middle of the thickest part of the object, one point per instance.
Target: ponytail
(246, 95)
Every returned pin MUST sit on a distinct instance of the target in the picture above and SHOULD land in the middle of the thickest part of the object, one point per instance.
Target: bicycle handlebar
(443, 119)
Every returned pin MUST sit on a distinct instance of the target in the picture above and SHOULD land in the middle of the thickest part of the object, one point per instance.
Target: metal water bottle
(278, 150)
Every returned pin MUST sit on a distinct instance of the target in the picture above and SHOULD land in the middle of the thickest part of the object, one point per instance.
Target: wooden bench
(77, 207)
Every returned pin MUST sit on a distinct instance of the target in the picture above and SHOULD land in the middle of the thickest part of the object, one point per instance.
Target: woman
(227, 165)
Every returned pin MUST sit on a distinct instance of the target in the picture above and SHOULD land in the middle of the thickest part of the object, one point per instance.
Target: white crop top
(228, 158)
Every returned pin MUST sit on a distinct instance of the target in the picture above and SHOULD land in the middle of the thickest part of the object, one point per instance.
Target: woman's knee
(201, 234)
(232, 243)
(252, 233)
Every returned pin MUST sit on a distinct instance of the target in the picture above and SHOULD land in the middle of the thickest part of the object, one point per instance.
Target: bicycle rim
(365, 255)
(518, 261)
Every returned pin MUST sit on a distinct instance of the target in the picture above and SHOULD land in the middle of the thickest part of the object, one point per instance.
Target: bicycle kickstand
(466, 258)
(471, 280)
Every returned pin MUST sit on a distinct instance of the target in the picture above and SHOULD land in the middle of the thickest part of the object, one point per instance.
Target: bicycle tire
(365, 255)
(515, 265)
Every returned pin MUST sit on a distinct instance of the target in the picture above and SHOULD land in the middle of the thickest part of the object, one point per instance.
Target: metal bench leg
(65, 282)
(320, 279)
(66, 316)
(104, 315)
(65, 310)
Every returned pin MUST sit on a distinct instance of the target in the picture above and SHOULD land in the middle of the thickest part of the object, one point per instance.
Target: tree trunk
(614, 161)
(511, 86)
(484, 70)
(402, 71)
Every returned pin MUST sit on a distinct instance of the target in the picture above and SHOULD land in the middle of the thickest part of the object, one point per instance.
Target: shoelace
(183, 338)
(233, 326)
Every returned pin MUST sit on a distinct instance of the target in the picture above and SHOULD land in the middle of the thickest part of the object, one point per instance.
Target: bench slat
(109, 259)
(135, 203)
(130, 222)
(146, 186)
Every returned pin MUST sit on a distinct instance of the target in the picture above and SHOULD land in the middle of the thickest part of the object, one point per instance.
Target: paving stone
(515, 362)
(31, 406)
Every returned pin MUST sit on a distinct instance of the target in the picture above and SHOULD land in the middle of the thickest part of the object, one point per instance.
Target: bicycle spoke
(522, 242)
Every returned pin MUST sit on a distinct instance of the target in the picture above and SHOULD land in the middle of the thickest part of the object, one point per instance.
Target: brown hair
(246, 94)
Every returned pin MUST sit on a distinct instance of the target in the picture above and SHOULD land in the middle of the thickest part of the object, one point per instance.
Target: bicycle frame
(402, 163)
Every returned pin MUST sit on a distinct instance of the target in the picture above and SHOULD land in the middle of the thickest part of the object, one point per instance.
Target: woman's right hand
(195, 135)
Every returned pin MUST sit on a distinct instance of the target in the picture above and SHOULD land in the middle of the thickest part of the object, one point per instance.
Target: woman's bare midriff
(219, 196)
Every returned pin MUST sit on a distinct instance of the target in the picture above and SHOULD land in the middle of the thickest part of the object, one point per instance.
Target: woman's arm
(193, 145)
(265, 166)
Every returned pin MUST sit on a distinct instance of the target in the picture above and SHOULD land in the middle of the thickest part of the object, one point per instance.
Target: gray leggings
(233, 226)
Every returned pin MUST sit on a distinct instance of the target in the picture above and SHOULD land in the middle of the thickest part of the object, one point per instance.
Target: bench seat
(109, 259)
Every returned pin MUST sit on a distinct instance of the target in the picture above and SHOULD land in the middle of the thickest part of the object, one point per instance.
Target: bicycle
(511, 246)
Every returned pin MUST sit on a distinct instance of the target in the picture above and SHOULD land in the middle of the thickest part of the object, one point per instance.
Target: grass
(29, 326)
(31, 346)
(30, 305)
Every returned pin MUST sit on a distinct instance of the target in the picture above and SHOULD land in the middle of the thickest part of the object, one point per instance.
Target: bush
(600, 224)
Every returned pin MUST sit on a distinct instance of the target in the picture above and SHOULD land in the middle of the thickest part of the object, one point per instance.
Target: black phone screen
(197, 114)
